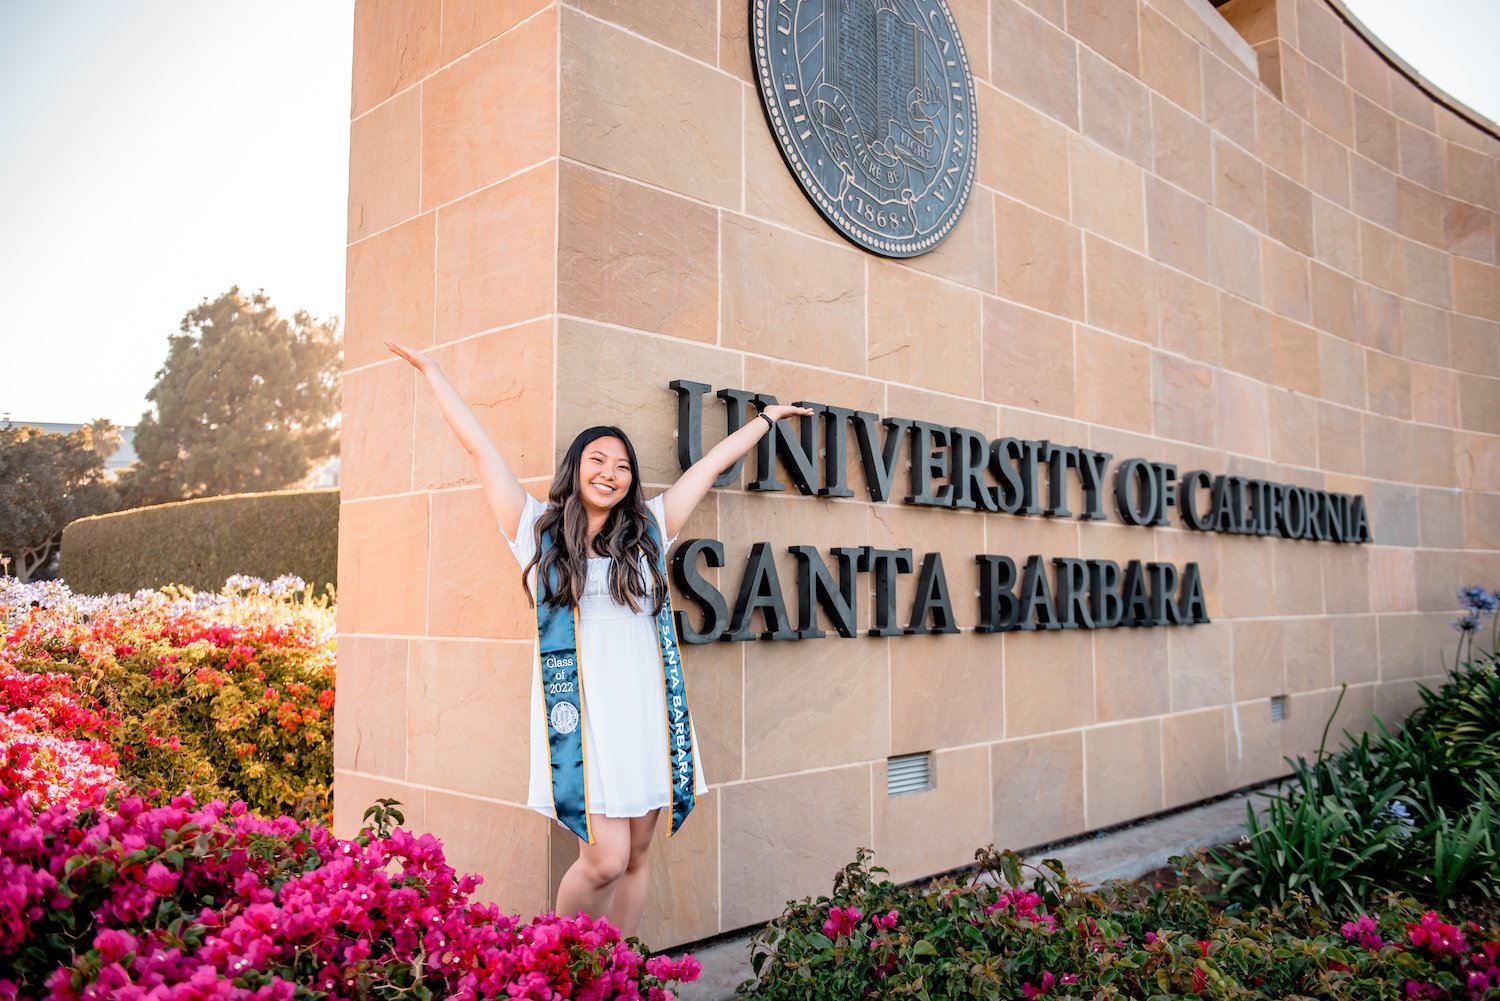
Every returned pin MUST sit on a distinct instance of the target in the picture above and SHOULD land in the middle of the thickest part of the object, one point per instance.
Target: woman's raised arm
(683, 497)
(506, 495)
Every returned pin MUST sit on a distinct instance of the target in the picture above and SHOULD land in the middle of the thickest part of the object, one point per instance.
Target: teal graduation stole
(558, 660)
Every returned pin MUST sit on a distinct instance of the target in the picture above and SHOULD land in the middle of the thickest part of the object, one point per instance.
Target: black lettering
(879, 465)
(1296, 512)
(1091, 471)
(884, 565)
(998, 607)
(1073, 594)
(690, 424)
(760, 590)
(1259, 503)
(691, 584)
(1187, 504)
(1191, 607)
(1059, 459)
(1136, 596)
(1222, 510)
(1104, 591)
(1165, 475)
(1010, 495)
(816, 588)
(1163, 593)
(969, 450)
(1359, 522)
(932, 601)
(799, 453)
(836, 452)
(1278, 509)
(1031, 488)
(1135, 492)
(928, 460)
(1236, 491)
(1338, 526)
(1037, 609)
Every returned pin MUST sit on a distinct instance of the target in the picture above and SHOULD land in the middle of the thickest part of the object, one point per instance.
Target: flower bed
(120, 900)
(105, 894)
(1013, 937)
(228, 695)
(1415, 810)
(1346, 892)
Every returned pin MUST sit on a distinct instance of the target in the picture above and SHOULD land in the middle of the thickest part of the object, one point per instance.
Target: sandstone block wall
(1241, 241)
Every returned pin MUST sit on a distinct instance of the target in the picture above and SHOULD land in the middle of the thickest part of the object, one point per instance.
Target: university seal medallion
(872, 104)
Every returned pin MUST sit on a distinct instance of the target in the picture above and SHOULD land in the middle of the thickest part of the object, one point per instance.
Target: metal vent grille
(908, 773)
(1278, 708)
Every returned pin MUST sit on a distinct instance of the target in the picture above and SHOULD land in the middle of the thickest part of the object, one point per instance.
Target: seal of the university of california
(564, 717)
(872, 104)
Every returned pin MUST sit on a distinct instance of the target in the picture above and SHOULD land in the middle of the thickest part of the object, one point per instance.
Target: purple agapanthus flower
(1477, 600)
(1468, 624)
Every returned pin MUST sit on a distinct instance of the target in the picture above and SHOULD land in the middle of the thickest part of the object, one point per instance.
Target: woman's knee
(605, 866)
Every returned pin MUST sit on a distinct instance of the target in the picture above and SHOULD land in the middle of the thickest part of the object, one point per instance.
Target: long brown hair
(623, 538)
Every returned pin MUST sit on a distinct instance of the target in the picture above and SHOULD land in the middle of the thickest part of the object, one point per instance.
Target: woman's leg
(591, 882)
(630, 894)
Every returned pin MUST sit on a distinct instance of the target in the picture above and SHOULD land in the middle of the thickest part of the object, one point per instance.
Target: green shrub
(1012, 935)
(1413, 810)
(201, 543)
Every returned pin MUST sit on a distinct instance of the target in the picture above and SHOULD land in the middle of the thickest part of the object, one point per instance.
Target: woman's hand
(777, 411)
(416, 359)
(692, 486)
(502, 489)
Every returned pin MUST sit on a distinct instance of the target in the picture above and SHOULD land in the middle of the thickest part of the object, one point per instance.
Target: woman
(611, 742)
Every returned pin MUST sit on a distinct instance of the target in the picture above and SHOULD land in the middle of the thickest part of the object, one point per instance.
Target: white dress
(624, 708)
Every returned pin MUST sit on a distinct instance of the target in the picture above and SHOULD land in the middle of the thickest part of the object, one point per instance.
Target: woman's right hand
(416, 359)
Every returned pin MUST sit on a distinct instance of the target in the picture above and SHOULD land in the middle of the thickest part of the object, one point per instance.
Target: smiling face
(603, 474)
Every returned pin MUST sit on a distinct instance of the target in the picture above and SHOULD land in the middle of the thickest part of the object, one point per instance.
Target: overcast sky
(152, 154)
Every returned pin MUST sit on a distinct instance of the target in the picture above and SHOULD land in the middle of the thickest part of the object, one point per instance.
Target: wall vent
(908, 773)
(1278, 708)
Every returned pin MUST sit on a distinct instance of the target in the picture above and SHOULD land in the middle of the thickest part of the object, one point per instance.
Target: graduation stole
(558, 660)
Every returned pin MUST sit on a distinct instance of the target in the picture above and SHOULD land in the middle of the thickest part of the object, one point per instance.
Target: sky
(154, 153)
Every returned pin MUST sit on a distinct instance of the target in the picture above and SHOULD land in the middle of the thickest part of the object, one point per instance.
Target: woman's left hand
(777, 411)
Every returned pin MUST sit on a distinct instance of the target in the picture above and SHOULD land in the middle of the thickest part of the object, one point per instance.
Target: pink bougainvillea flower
(841, 921)
(1415, 990)
(1364, 931)
(1031, 990)
(1432, 934)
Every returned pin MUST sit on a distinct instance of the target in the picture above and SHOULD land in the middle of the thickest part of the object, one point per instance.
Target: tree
(246, 401)
(47, 480)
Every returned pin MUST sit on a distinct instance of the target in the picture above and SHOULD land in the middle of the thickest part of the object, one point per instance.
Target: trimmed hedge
(201, 543)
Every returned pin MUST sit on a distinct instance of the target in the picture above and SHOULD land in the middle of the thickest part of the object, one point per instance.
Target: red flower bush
(229, 695)
(182, 902)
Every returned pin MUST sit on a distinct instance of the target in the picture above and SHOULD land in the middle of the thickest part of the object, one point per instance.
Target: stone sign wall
(1241, 241)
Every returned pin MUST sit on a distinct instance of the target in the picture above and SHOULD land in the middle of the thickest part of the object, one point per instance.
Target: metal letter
(1091, 471)
(816, 587)
(998, 608)
(1073, 593)
(1037, 609)
(699, 591)
(1135, 492)
(929, 459)
(932, 599)
(969, 449)
(884, 564)
(879, 466)
(760, 590)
